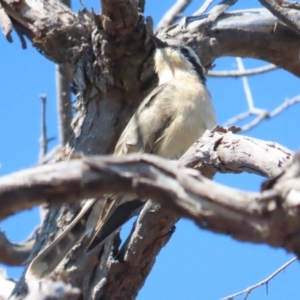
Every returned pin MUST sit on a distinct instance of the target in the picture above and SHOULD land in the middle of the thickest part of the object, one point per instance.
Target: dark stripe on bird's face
(197, 67)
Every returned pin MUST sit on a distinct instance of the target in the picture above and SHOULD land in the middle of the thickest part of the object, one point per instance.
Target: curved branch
(66, 182)
(266, 216)
(14, 254)
(254, 33)
(182, 192)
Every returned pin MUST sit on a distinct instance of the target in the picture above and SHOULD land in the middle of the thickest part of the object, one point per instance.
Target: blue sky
(195, 264)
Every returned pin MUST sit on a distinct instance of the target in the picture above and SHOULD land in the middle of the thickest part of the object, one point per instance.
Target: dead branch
(43, 138)
(271, 217)
(221, 38)
(266, 281)
(283, 14)
(203, 8)
(173, 14)
(212, 16)
(12, 254)
(225, 152)
(219, 10)
(64, 105)
(69, 181)
(238, 73)
(261, 114)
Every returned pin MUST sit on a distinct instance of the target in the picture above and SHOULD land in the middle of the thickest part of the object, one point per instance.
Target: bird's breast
(192, 117)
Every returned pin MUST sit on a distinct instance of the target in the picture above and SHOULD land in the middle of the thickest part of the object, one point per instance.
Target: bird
(167, 122)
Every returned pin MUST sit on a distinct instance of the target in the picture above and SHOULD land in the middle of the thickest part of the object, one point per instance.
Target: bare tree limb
(173, 14)
(203, 8)
(44, 140)
(68, 181)
(64, 106)
(64, 101)
(266, 281)
(220, 9)
(283, 14)
(256, 25)
(212, 16)
(12, 254)
(246, 86)
(239, 73)
(266, 216)
(225, 152)
(261, 114)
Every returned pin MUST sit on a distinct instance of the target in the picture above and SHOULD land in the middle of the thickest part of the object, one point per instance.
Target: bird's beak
(159, 44)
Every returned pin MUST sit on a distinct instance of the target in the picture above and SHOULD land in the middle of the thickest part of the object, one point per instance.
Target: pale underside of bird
(169, 120)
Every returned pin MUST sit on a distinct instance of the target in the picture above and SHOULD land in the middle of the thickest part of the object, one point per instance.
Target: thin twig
(219, 9)
(252, 110)
(245, 84)
(173, 14)
(44, 147)
(238, 73)
(203, 8)
(64, 106)
(213, 15)
(261, 114)
(248, 290)
(43, 139)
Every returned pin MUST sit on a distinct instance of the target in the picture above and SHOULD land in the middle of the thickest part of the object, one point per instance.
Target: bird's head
(175, 61)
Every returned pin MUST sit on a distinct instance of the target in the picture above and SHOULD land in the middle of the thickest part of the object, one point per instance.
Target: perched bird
(169, 120)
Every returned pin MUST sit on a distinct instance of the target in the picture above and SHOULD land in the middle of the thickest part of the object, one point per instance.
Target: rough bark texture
(108, 59)
(92, 177)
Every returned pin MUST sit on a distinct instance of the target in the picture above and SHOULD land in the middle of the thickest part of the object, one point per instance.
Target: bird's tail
(47, 260)
(117, 211)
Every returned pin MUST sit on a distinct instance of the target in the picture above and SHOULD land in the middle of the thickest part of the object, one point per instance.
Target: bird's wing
(47, 260)
(142, 134)
(148, 123)
(118, 211)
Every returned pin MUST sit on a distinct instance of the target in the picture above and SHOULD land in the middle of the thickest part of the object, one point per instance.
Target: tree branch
(64, 106)
(238, 73)
(203, 8)
(266, 281)
(12, 254)
(270, 217)
(283, 14)
(261, 114)
(66, 182)
(252, 33)
(173, 14)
